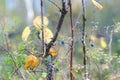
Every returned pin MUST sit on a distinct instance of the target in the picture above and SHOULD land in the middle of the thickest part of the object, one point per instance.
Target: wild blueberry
(62, 42)
(57, 69)
(38, 32)
(92, 45)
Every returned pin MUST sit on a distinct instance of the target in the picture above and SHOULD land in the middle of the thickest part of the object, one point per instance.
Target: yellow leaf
(103, 43)
(48, 35)
(98, 5)
(31, 62)
(38, 23)
(93, 37)
(26, 33)
(53, 52)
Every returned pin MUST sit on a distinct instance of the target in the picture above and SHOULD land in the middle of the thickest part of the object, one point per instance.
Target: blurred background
(102, 26)
(24, 11)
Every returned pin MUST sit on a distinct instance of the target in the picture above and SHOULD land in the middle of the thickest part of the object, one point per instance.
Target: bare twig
(77, 20)
(98, 67)
(83, 37)
(55, 4)
(110, 45)
(49, 63)
(72, 42)
(28, 51)
(63, 13)
(110, 48)
(12, 57)
(43, 44)
(15, 71)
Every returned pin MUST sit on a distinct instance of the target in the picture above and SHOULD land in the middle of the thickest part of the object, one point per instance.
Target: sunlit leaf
(98, 5)
(38, 23)
(21, 47)
(44, 75)
(26, 33)
(93, 37)
(103, 43)
(53, 52)
(31, 62)
(48, 35)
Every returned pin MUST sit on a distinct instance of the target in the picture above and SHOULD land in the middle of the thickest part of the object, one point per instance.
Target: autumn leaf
(38, 23)
(26, 33)
(93, 37)
(52, 52)
(103, 43)
(48, 35)
(31, 62)
(98, 5)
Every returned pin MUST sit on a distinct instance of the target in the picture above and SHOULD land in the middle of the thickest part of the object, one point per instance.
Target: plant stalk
(42, 20)
(83, 38)
(72, 42)
(49, 63)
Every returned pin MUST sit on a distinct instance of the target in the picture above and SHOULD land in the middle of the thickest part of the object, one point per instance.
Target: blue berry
(57, 69)
(38, 32)
(62, 42)
(92, 45)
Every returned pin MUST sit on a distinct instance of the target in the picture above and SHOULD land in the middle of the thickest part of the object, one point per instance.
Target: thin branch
(10, 53)
(15, 71)
(77, 20)
(110, 45)
(72, 42)
(55, 4)
(49, 63)
(83, 37)
(12, 57)
(43, 43)
(63, 13)
(99, 70)
(67, 52)
(28, 51)
(110, 49)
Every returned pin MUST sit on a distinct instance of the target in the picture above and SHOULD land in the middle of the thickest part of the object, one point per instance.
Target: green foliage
(16, 19)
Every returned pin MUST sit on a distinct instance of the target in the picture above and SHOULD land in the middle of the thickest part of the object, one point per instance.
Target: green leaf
(21, 47)
(16, 19)
(44, 75)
